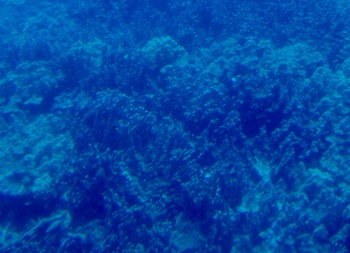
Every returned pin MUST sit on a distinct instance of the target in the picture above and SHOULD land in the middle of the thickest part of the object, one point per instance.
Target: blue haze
(174, 126)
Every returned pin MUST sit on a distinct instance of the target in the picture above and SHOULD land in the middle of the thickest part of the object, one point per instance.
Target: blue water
(174, 126)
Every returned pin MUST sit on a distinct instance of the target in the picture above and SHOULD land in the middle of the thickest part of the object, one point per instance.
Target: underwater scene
(209, 126)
